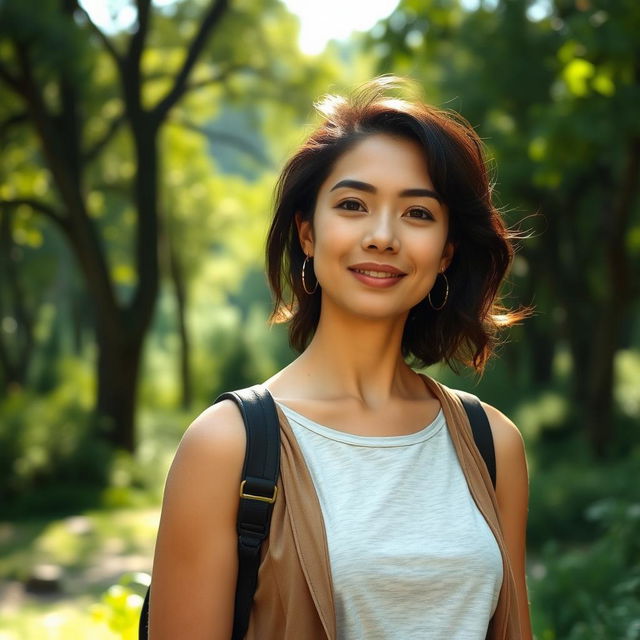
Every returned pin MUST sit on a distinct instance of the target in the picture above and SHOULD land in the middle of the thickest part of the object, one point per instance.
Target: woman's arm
(512, 492)
(195, 565)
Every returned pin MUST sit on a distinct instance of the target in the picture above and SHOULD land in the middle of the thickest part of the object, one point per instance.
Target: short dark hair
(465, 330)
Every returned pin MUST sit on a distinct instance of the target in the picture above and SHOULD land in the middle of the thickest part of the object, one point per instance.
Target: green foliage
(592, 591)
(86, 548)
(55, 42)
(541, 90)
(91, 542)
(82, 106)
(53, 461)
(50, 457)
(119, 607)
(53, 622)
(542, 93)
(566, 480)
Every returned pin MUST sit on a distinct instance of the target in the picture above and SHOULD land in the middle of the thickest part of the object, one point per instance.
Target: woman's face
(379, 230)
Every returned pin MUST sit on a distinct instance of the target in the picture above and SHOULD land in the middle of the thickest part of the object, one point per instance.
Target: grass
(93, 551)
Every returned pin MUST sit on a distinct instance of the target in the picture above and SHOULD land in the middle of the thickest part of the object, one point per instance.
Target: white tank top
(411, 555)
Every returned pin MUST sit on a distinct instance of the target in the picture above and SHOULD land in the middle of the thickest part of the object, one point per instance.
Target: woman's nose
(381, 235)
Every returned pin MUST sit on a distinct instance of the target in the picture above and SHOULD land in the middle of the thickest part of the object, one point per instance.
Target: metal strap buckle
(249, 496)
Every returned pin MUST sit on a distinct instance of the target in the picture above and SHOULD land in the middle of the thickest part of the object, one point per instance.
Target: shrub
(592, 591)
(562, 489)
(50, 456)
(120, 606)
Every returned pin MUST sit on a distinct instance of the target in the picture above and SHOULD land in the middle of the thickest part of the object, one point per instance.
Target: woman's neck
(358, 358)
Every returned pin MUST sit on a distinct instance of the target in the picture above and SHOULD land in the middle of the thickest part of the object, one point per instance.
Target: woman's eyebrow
(369, 188)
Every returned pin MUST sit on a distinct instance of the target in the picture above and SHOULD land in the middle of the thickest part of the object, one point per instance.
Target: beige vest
(294, 599)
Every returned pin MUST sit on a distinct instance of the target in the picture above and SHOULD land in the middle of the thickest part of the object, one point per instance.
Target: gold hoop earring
(304, 284)
(446, 294)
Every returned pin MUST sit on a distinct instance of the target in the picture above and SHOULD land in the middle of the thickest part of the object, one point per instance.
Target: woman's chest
(410, 553)
(401, 508)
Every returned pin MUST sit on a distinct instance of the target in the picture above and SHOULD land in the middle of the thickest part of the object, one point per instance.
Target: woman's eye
(421, 214)
(351, 205)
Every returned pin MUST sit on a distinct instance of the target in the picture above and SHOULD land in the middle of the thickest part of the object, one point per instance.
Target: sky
(336, 19)
(319, 21)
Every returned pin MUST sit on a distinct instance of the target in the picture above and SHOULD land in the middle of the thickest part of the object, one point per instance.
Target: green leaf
(538, 149)
(123, 274)
(603, 84)
(576, 75)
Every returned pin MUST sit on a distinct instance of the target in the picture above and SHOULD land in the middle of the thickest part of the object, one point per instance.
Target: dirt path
(48, 563)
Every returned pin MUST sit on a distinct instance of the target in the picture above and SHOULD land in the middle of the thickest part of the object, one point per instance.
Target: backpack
(258, 490)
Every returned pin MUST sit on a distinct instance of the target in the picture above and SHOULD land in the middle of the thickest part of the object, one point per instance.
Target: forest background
(135, 189)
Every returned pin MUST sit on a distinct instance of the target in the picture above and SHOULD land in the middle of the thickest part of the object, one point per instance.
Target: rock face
(45, 579)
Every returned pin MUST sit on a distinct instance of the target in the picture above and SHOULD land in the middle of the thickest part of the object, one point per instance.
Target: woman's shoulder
(216, 433)
(505, 433)
(202, 485)
(214, 443)
(511, 460)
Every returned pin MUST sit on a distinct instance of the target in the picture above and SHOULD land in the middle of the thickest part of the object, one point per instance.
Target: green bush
(120, 606)
(562, 490)
(54, 461)
(50, 457)
(593, 591)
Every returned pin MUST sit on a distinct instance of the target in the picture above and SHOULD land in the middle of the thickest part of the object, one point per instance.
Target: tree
(81, 91)
(555, 99)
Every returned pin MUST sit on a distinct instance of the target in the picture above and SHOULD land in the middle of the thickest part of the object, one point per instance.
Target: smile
(377, 279)
(378, 274)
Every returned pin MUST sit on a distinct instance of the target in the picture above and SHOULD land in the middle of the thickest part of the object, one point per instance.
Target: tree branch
(108, 45)
(628, 190)
(91, 154)
(12, 120)
(11, 80)
(230, 139)
(136, 44)
(37, 205)
(222, 74)
(218, 77)
(118, 188)
(51, 138)
(209, 22)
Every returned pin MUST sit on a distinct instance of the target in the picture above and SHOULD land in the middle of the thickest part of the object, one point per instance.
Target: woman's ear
(305, 234)
(447, 255)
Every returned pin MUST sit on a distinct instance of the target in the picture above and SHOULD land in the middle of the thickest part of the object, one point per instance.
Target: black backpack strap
(481, 430)
(257, 492)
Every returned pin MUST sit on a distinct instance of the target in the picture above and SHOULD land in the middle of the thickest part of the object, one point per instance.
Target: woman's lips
(379, 279)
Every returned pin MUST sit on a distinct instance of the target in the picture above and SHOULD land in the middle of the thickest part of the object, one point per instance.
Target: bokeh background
(140, 142)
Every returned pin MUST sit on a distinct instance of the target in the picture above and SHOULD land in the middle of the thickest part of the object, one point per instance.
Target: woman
(386, 238)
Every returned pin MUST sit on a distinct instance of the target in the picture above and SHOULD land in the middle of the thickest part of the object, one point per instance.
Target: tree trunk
(541, 350)
(579, 347)
(118, 367)
(606, 337)
(120, 328)
(17, 350)
(177, 276)
(121, 335)
(538, 332)
(569, 290)
(600, 382)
